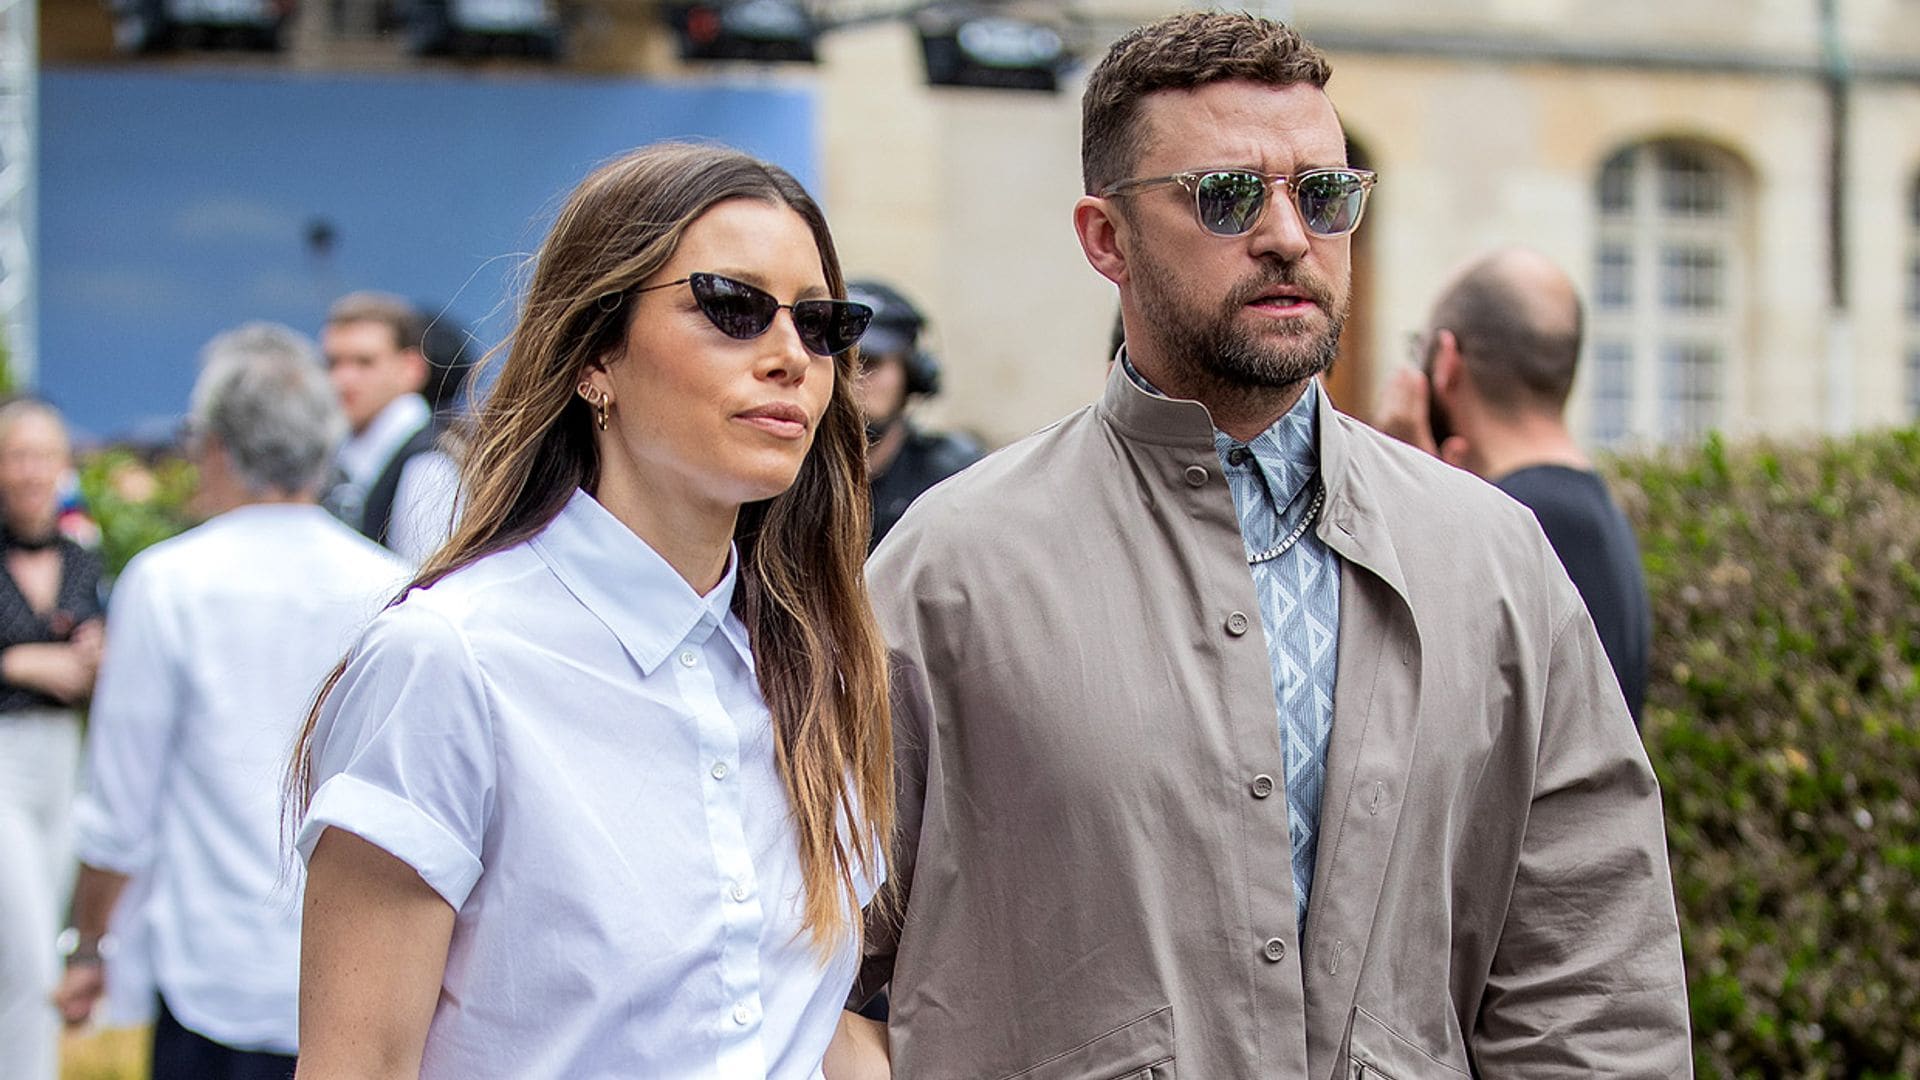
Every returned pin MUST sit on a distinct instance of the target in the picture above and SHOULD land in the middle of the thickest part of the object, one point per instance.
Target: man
(903, 460)
(1498, 362)
(218, 640)
(1235, 739)
(393, 485)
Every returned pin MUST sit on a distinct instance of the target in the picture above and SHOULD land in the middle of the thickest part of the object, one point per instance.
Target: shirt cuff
(397, 827)
(99, 844)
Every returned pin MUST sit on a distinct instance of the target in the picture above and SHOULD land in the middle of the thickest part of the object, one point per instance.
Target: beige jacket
(1093, 855)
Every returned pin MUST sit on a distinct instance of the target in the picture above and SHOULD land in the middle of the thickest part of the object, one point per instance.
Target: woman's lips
(780, 421)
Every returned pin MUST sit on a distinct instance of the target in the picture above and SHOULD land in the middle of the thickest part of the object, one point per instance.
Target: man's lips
(777, 418)
(1284, 302)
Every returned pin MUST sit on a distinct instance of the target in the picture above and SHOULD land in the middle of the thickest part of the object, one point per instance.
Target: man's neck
(1242, 411)
(1522, 442)
(887, 447)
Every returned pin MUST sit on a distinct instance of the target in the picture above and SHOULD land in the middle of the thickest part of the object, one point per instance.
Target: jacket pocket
(1377, 1052)
(1140, 1049)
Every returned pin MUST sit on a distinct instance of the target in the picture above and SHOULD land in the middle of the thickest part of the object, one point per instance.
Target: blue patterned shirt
(1274, 479)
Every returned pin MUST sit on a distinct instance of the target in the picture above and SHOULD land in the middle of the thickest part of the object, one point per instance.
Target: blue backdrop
(175, 205)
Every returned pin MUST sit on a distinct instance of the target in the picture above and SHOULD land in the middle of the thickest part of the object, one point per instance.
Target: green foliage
(136, 505)
(1784, 722)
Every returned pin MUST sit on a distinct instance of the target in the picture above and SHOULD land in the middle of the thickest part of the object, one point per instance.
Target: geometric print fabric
(1273, 479)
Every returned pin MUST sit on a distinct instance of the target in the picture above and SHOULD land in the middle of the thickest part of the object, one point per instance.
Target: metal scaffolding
(19, 81)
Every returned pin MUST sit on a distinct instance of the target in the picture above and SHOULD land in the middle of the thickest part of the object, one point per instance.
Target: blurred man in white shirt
(220, 637)
(393, 484)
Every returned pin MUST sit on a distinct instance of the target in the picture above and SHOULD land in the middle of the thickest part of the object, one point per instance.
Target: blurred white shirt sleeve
(424, 506)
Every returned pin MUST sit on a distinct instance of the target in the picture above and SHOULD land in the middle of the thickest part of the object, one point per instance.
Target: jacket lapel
(1375, 711)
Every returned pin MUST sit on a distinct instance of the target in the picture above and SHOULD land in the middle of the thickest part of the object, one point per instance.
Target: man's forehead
(365, 333)
(1241, 123)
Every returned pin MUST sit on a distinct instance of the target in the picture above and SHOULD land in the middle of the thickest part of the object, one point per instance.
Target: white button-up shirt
(570, 746)
(215, 643)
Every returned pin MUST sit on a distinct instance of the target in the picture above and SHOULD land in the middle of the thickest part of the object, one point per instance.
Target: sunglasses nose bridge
(1284, 227)
(788, 340)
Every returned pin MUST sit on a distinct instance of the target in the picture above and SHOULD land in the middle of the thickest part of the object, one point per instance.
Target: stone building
(1676, 158)
(1681, 157)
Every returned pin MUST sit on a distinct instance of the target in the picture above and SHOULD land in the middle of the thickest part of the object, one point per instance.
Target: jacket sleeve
(886, 916)
(912, 706)
(1587, 979)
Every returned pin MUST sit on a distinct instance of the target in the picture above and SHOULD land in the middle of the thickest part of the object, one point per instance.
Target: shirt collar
(1287, 453)
(364, 455)
(632, 590)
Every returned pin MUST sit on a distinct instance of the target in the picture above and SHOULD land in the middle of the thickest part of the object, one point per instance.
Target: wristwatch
(80, 950)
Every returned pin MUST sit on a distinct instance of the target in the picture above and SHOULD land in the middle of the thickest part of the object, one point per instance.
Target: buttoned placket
(741, 1053)
(1269, 503)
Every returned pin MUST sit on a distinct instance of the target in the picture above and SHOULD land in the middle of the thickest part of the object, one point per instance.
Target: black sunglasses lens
(739, 310)
(1229, 202)
(1330, 201)
(830, 327)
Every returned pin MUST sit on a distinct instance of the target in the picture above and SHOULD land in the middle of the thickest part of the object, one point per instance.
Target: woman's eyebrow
(759, 281)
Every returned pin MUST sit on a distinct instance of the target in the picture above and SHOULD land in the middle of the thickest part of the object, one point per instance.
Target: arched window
(1668, 293)
(1913, 301)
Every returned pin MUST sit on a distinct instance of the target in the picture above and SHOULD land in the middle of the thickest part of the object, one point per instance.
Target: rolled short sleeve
(403, 751)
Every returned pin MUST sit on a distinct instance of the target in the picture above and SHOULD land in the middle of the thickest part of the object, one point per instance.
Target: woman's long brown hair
(801, 592)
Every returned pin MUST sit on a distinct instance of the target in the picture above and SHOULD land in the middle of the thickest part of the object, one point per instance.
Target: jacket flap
(1135, 1045)
(1380, 1049)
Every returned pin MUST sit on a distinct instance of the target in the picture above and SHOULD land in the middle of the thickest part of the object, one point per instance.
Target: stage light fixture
(779, 31)
(972, 47)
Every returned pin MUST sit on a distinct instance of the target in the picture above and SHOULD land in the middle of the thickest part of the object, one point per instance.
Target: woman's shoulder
(467, 602)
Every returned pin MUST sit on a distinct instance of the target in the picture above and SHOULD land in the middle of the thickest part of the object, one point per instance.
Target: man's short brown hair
(393, 312)
(1179, 53)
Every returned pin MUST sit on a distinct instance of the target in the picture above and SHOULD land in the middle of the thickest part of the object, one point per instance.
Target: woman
(49, 650)
(603, 793)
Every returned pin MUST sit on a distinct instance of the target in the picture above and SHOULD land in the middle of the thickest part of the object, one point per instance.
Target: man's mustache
(1286, 274)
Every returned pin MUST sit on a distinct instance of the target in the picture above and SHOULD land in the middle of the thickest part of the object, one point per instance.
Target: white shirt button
(720, 770)
(688, 659)
(739, 891)
(742, 1015)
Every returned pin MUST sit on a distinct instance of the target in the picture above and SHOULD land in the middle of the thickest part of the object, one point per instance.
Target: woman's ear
(596, 378)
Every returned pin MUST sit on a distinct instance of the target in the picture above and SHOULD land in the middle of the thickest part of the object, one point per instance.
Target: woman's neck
(694, 536)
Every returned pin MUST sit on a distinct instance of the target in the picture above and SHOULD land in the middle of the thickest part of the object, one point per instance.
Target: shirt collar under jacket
(641, 599)
(1351, 521)
(1287, 453)
(363, 456)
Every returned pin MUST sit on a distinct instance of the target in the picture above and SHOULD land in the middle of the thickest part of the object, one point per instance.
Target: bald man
(1497, 362)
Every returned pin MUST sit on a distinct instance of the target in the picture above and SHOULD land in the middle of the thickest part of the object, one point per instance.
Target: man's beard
(1216, 346)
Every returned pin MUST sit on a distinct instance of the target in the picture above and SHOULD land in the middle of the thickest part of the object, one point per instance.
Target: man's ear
(1449, 372)
(416, 362)
(1103, 235)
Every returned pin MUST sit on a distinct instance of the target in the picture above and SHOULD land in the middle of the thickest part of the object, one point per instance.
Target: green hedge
(1784, 722)
(135, 504)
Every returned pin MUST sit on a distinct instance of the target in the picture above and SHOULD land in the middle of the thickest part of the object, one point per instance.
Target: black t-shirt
(924, 460)
(78, 601)
(1598, 548)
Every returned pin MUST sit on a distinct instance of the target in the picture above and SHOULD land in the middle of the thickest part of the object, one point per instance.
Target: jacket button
(1196, 475)
(1275, 950)
(1237, 623)
(1262, 786)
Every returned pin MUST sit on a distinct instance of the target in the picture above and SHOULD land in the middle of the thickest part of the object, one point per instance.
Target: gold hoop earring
(600, 414)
